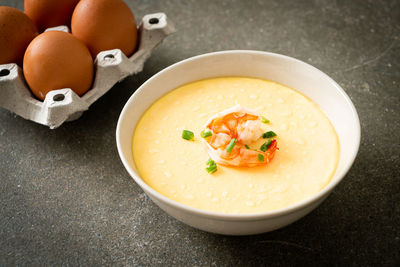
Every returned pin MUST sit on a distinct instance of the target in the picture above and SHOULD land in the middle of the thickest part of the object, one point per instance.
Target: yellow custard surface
(304, 164)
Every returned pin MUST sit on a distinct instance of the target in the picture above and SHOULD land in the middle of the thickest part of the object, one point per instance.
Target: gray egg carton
(62, 105)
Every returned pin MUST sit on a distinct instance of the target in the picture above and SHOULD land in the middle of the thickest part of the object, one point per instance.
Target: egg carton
(111, 67)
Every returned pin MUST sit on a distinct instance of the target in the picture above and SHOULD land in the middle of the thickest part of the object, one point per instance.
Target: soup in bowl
(238, 142)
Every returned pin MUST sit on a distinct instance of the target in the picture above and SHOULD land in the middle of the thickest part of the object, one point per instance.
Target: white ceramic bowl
(285, 70)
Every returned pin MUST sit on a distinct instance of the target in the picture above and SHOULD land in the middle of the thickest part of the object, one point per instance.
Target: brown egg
(56, 60)
(16, 32)
(50, 13)
(104, 25)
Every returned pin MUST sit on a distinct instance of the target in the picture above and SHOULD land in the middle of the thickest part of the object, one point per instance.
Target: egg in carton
(111, 66)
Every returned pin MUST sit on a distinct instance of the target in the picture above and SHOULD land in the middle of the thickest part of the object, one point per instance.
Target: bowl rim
(246, 216)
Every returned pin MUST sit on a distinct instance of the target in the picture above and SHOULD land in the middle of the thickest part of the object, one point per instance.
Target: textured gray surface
(66, 198)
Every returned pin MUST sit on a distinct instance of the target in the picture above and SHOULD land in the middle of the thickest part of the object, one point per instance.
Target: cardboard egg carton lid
(111, 66)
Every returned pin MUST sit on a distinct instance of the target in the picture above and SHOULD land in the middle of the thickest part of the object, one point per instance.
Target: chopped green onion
(188, 135)
(211, 169)
(260, 157)
(210, 162)
(269, 142)
(212, 166)
(246, 146)
(231, 145)
(206, 134)
(269, 134)
(264, 120)
(264, 147)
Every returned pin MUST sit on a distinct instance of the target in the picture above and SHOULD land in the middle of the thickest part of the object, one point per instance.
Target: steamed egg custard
(235, 145)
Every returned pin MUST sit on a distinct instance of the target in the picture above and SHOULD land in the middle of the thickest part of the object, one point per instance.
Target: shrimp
(242, 126)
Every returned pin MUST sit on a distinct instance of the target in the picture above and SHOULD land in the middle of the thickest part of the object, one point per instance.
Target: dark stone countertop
(67, 200)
